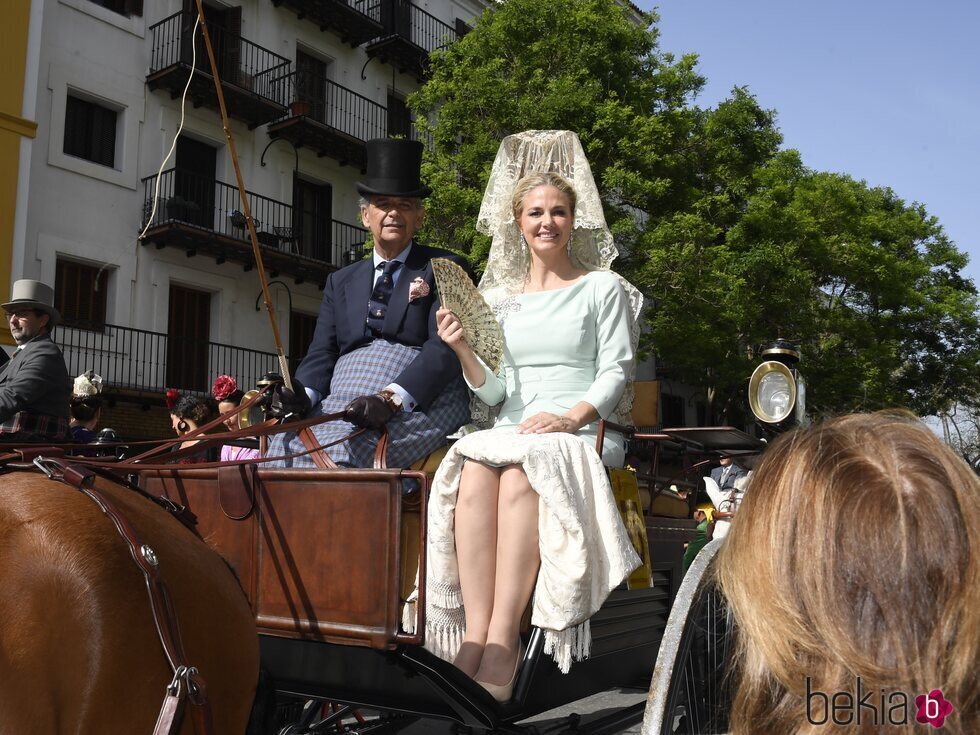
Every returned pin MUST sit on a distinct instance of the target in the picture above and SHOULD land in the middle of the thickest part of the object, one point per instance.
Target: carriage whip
(246, 209)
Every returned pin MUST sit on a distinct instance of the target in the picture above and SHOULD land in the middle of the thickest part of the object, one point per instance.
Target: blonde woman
(854, 570)
(526, 507)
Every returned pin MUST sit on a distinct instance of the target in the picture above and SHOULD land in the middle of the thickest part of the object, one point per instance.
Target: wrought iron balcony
(202, 216)
(142, 363)
(249, 73)
(331, 119)
(335, 121)
(355, 21)
(410, 35)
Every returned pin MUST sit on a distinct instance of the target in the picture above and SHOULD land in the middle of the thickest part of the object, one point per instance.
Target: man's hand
(287, 402)
(370, 412)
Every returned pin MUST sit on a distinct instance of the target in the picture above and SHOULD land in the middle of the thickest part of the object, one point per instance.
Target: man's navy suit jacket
(342, 328)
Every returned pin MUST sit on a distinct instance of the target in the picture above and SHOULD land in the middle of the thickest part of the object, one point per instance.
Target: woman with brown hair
(853, 570)
(188, 413)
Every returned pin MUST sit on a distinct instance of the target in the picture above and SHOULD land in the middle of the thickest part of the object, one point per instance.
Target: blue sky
(885, 91)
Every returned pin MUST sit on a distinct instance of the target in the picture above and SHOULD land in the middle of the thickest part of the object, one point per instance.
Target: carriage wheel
(690, 693)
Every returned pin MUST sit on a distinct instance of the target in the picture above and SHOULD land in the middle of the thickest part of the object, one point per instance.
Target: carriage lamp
(257, 413)
(777, 391)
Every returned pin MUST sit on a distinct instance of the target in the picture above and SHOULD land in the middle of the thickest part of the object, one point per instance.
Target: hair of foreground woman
(856, 554)
(541, 178)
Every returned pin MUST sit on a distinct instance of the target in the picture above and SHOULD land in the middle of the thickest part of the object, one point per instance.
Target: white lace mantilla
(585, 550)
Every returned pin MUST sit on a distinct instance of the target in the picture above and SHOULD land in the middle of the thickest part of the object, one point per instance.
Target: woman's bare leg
(518, 559)
(476, 549)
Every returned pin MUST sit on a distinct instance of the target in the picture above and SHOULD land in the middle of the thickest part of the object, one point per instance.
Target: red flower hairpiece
(224, 386)
(171, 397)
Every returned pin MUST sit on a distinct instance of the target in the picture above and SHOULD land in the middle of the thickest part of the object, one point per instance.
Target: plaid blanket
(34, 427)
(411, 436)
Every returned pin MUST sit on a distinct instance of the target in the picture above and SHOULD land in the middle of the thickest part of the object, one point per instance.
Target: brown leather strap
(187, 682)
(244, 406)
(381, 451)
(319, 457)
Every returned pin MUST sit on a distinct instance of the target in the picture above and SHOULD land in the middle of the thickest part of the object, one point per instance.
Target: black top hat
(393, 169)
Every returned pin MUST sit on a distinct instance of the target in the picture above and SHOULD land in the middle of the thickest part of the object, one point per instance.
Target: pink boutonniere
(418, 289)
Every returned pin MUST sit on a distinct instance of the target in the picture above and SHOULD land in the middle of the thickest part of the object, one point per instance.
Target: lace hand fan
(481, 328)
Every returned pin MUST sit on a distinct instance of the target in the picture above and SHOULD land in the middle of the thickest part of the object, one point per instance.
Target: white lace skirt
(585, 549)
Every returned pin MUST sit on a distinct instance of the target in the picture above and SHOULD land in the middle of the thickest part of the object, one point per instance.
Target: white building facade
(305, 82)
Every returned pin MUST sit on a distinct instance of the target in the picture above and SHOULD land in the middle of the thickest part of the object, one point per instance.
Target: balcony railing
(355, 21)
(249, 73)
(150, 362)
(335, 106)
(200, 208)
(410, 35)
(336, 121)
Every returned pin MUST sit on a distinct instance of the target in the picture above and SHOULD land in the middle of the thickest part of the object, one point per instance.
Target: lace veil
(558, 151)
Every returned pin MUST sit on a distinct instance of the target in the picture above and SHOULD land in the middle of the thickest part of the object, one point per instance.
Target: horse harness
(187, 684)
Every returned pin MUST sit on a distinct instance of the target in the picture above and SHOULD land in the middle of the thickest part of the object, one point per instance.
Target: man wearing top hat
(34, 387)
(375, 353)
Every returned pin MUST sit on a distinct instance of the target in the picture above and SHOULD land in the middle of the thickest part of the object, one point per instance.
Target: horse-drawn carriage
(327, 559)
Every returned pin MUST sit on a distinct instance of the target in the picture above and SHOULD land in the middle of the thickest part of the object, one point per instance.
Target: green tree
(961, 430)
(733, 242)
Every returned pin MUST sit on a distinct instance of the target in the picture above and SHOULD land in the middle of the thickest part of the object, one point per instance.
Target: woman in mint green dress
(526, 506)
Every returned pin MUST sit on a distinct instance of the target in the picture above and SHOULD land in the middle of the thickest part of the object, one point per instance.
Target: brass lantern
(777, 391)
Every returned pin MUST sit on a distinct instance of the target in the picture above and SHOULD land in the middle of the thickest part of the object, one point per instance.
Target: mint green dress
(561, 347)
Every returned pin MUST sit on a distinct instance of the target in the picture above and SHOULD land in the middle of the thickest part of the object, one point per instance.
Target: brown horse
(79, 651)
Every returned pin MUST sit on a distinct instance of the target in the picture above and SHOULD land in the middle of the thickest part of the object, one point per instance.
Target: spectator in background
(700, 539)
(188, 414)
(727, 473)
(34, 386)
(857, 560)
(229, 396)
(86, 407)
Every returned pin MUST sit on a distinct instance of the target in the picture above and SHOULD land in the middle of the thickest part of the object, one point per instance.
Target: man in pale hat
(376, 354)
(35, 390)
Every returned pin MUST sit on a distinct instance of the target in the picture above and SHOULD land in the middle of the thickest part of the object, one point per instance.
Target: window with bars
(123, 7)
(80, 294)
(90, 131)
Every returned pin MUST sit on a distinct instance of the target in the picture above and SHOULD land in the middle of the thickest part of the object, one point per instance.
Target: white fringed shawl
(585, 550)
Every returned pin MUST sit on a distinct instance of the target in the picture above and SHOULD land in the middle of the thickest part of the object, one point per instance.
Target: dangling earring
(569, 246)
(182, 426)
(523, 243)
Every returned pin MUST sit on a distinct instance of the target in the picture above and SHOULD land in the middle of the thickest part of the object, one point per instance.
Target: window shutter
(80, 303)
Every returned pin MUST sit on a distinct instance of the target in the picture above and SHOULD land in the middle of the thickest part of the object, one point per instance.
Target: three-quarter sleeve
(493, 389)
(614, 350)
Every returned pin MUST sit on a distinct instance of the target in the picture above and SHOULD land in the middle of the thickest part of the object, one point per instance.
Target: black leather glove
(287, 402)
(370, 412)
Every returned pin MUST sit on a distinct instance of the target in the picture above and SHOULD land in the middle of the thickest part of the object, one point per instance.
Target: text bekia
(867, 706)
